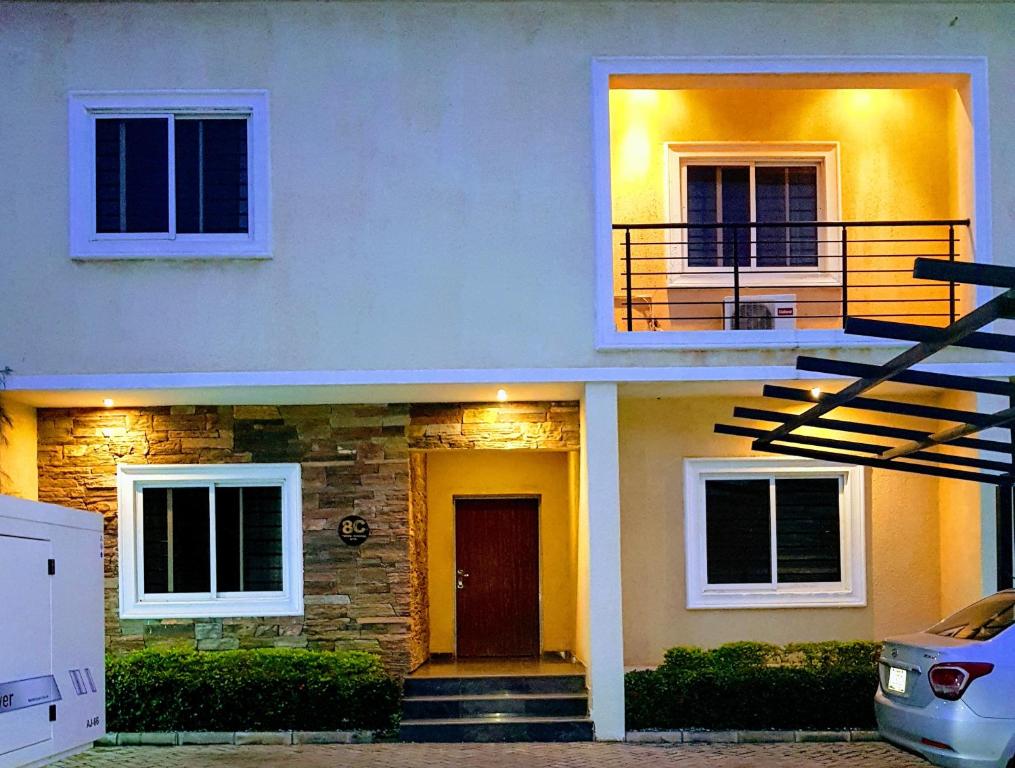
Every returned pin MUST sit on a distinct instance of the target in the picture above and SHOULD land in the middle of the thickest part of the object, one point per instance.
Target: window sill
(757, 279)
(138, 250)
(214, 609)
(742, 600)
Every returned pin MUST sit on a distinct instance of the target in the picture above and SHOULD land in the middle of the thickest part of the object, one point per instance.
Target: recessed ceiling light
(502, 395)
(108, 402)
(815, 392)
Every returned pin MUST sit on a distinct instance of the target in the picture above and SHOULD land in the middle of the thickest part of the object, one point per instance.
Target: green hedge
(755, 685)
(264, 689)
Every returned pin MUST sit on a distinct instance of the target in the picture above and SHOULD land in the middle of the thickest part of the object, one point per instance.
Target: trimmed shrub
(756, 685)
(264, 689)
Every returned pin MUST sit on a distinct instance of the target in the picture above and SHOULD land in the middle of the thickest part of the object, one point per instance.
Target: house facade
(404, 326)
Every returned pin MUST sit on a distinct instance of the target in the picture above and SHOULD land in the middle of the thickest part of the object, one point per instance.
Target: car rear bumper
(976, 742)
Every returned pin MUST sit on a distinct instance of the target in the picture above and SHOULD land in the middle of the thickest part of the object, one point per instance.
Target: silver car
(948, 693)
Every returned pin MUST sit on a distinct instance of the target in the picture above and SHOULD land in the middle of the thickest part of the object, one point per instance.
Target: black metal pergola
(911, 450)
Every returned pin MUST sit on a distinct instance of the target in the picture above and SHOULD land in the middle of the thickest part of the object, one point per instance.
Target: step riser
(494, 732)
(444, 709)
(484, 686)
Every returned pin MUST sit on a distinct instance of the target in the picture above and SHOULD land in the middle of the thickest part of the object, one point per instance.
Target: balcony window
(763, 193)
(721, 190)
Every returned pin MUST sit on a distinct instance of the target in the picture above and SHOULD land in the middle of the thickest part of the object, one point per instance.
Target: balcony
(783, 276)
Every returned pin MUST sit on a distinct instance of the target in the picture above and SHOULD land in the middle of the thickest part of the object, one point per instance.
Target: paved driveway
(502, 755)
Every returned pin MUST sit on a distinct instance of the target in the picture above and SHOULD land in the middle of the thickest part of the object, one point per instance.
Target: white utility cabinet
(52, 675)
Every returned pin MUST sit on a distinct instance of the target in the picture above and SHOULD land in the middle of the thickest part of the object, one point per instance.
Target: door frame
(536, 497)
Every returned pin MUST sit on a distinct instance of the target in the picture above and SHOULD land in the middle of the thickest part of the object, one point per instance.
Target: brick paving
(501, 755)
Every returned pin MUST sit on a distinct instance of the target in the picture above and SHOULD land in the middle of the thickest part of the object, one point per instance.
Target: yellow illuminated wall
(545, 474)
(19, 475)
(898, 159)
(923, 540)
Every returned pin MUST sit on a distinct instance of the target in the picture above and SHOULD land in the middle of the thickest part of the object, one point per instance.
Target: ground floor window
(773, 533)
(210, 540)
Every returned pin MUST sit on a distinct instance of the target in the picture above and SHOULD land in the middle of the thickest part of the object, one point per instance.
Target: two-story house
(404, 326)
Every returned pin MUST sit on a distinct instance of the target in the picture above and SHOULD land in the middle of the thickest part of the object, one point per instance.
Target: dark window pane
(191, 553)
(211, 176)
(980, 621)
(156, 540)
(249, 539)
(807, 530)
(771, 205)
(736, 208)
(787, 193)
(187, 175)
(803, 206)
(176, 555)
(262, 539)
(132, 175)
(701, 209)
(227, 537)
(738, 531)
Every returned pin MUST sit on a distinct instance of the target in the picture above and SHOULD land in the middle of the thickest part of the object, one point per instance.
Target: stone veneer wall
(498, 426)
(354, 460)
(419, 603)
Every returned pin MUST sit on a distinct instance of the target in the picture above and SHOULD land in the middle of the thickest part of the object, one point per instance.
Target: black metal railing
(711, 276)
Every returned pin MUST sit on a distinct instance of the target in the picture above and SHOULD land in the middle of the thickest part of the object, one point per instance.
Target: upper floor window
(210, 540)
(741, 203)
(169, 174)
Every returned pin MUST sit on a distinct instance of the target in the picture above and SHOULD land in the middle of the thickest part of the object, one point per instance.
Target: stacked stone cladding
(355, 459)
(495, 426)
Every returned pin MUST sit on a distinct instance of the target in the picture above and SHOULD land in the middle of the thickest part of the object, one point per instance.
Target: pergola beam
(878, 450)
(902, 466)
(921, 378)
(964, 272)
(882, 406)
(887, 329)
(863, 428)
(1000, 306)
(1002, 418)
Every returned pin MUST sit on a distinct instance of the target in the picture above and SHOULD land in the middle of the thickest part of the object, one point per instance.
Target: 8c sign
(353, 530)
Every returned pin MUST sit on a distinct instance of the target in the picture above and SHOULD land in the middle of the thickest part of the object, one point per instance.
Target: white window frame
(86, 106)
(850, 591)
(822, 155)
(131, 479)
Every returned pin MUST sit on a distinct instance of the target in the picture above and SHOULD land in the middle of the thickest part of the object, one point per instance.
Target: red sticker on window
(784, 311)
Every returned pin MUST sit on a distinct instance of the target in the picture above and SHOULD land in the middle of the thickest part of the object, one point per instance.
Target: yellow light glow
(815, 392)
(502, 395)
(108, 402)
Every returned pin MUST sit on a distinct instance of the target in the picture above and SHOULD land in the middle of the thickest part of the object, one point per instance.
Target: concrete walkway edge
(748, 737)
(287, 738)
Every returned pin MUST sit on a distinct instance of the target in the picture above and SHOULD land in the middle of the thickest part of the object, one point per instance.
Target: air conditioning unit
(761, 313)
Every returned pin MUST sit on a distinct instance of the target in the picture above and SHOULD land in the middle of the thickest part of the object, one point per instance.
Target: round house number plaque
(353, 530)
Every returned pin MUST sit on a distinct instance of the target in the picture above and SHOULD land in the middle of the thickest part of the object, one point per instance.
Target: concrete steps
(496, 708)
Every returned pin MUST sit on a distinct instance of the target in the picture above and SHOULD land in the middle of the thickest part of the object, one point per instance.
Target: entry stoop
(496, 708)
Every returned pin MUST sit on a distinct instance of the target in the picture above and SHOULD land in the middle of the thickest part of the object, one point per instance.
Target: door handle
(462, 576)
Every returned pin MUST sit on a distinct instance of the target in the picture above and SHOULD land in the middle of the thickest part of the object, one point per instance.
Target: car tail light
(949, 681)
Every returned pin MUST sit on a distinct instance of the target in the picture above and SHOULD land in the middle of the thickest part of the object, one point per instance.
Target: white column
(601, 630)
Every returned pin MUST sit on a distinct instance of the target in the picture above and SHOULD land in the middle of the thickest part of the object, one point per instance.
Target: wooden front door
(497, 579)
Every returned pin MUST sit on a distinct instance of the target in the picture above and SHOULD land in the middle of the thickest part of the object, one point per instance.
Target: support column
(600, 623)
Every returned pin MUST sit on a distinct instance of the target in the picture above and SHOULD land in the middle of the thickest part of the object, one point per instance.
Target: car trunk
(916, 654)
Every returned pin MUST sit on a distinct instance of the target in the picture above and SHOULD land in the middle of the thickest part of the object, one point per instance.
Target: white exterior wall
(431, 173)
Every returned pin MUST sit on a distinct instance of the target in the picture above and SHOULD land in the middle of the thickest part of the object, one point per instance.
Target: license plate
(896, 680)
